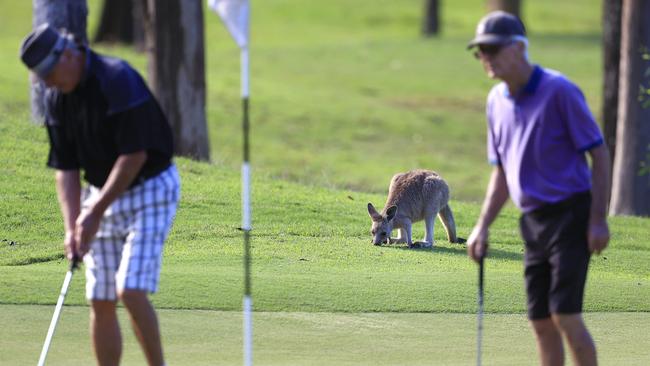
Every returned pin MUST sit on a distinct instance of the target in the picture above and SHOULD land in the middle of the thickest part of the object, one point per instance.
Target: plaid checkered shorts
(126, 252)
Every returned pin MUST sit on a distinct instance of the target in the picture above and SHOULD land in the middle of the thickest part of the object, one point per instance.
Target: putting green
(195, 337)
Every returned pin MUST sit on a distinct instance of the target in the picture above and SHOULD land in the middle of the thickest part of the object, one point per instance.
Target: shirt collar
(531, 85)
(534, 80)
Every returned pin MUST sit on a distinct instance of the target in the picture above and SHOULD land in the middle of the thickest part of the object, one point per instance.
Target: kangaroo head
(382, 225)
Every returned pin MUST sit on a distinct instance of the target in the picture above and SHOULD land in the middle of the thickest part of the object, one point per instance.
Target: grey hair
(523, 40)
(73, 41)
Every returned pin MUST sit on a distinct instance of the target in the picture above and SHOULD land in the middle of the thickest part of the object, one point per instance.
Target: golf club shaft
(57, 312)
(480, 313)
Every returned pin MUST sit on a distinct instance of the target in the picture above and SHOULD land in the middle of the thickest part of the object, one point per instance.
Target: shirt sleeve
(62, 155)
(132, 129)
(492, 153)
(139, 128)
(579, 121)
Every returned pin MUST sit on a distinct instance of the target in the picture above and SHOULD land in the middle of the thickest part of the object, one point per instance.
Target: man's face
(63, 76)
(498, 60)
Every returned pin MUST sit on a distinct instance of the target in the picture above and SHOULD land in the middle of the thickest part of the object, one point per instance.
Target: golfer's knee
(569, 323)
(545, 328)
(103, 309)
(573, 327)
(133, 298)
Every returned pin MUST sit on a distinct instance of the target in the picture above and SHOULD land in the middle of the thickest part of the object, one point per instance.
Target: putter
(57, 310)
(479, 336)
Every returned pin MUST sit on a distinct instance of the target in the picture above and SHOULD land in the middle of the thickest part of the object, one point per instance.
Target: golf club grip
(74, 264)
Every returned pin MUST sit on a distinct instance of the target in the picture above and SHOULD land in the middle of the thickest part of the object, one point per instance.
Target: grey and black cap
(42, 49)
(498, 27)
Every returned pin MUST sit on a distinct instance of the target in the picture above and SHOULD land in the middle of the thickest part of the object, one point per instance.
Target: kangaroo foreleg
(406, 230)
(400, 239)
(427, 241)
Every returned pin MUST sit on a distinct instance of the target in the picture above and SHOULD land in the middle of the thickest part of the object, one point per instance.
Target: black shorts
(557, 255)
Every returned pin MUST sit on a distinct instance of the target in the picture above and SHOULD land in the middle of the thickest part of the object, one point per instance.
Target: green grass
(342, 98)
(214, 338)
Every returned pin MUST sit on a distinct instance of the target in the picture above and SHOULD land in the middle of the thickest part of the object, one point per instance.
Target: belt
(561, 206)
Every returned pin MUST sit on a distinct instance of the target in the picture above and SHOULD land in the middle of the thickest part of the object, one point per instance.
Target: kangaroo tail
(447, 218)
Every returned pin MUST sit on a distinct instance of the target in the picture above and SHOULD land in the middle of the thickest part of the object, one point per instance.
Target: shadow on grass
(459, 249)
(34, 260)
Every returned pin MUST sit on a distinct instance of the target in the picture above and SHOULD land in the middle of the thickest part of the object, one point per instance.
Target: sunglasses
(490, 49)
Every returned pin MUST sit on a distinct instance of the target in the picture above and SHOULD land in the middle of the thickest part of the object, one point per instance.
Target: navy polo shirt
(110, 113)
(540, 137)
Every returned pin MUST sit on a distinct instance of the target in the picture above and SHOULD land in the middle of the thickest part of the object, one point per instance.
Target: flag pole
(246, 214)
(235, 16)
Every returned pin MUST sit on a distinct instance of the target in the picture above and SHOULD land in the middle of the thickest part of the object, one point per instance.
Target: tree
(121, 21)
(431, 20)
(510, 6)
(611, 63)
(176, 62)
(68, 14)
(631, 178)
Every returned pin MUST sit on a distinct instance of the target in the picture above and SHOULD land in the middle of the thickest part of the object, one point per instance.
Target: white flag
(234, 14)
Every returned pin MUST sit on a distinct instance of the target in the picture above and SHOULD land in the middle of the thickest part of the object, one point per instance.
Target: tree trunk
(611, 62)
(631, 181)
(138, 17)
(174, 39)
(431, 20)
(121, 21)
(510, 6)
(68, 14)
(116, 22)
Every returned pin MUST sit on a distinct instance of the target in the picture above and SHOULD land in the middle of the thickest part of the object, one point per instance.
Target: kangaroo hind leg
(447, 219)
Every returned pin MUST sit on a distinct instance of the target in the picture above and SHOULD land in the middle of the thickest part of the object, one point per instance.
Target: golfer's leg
(549, 342)
(105, 332)
(583, 349)
(145, 324)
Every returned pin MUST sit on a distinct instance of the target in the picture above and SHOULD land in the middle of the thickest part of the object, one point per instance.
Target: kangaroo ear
(376, 216)
(390, 213)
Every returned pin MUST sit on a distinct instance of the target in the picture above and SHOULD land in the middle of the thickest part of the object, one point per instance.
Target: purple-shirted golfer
(540, 130)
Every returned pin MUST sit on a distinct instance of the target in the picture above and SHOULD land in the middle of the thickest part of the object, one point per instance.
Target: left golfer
(102, 119)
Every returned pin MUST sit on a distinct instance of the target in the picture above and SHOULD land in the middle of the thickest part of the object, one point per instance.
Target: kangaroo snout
(381, 241)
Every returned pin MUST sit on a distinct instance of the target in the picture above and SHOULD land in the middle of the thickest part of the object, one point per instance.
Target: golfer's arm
(68, 189)
(495, 197)
(599, 183)
(125, 169)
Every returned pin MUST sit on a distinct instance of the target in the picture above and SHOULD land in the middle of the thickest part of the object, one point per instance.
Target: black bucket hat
(498, 27)
(42, 49)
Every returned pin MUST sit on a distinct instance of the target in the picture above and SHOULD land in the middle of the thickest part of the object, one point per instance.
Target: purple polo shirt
(540, 137)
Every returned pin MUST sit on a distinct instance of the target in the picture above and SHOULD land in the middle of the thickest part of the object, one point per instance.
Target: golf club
(479, 336)
(57, 310)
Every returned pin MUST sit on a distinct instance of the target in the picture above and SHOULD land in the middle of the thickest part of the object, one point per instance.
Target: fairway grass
(195, 337)
(342, 98)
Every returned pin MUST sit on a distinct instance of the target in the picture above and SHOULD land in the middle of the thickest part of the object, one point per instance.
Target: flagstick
(246, 216)
(235, 16)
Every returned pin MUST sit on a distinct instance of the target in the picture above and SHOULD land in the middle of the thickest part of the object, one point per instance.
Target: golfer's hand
(598, 236)
(70, 244)
(477, 243)
(85, 230)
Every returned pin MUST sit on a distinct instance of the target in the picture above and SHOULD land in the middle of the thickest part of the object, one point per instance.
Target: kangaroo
(413, 196)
